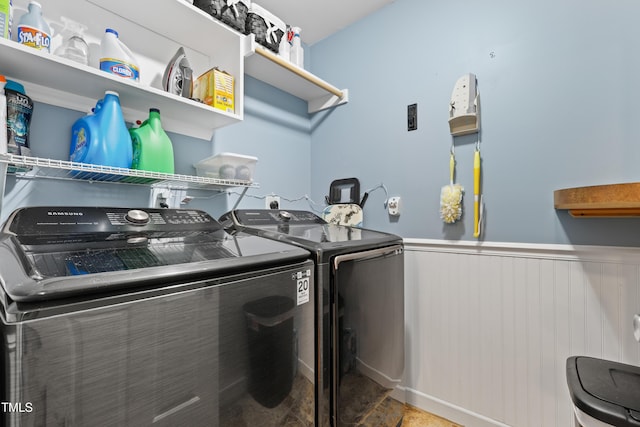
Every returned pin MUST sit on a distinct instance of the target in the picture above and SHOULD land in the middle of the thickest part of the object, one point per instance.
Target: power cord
(316, 207)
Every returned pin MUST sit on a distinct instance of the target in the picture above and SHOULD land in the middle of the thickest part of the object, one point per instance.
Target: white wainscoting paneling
(489, 326)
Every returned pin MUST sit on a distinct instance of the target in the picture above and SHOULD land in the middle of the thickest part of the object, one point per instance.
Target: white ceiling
(319, 19)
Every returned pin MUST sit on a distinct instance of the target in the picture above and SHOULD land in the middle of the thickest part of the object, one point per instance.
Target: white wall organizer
(464, 108)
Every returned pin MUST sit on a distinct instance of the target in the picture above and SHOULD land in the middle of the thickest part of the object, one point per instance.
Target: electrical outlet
(163, 198)
(393, 205)
(412, 117)
(272, 202)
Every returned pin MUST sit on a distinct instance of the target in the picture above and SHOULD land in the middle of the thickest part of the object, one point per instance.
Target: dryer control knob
(285, 216)
(137, 217)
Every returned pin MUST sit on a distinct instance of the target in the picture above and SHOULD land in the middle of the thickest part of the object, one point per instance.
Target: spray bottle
(284, 49)
(74, 46)
(297, 51)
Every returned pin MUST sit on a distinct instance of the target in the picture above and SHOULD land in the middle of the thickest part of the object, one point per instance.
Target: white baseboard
(449, 411)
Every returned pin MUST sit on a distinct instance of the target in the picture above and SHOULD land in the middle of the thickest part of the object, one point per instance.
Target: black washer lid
(606, 390)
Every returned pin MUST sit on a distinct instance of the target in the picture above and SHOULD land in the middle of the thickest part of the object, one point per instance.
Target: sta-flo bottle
(33, 30)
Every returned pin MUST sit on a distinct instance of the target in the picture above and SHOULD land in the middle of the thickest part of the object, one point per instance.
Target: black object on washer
(362, 273)
(114, 316)
(605, 390)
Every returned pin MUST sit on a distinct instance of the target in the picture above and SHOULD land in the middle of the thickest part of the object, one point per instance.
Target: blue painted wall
(558, 97)
(558, 93)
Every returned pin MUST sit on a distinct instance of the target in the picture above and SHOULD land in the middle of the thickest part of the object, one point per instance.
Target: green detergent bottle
(152, 149)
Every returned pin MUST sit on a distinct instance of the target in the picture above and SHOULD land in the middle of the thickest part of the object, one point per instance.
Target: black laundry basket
(271, 348)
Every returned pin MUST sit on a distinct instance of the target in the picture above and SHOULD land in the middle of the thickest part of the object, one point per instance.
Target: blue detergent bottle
(102, 138)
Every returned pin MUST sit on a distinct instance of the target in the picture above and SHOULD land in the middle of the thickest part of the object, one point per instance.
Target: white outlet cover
(269, 199)
(393, 205)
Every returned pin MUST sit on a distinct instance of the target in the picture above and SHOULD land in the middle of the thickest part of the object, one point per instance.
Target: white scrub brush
(451, 196)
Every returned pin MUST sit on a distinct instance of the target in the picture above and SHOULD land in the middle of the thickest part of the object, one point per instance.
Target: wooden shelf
(612, 200)
(265, 65)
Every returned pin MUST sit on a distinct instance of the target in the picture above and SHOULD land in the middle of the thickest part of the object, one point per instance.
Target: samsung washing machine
(359, 302)
(152, 317)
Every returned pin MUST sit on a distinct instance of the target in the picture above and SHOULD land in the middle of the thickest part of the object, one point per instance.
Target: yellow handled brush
(477, 208)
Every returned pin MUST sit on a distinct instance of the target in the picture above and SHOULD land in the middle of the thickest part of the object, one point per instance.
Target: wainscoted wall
(489, 326)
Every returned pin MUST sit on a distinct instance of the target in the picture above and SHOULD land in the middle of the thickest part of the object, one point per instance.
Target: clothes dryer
(359, 303)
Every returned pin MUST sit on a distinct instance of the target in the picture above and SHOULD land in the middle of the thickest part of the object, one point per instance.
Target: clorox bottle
(152, 149)
(116, 58)
(102, 138)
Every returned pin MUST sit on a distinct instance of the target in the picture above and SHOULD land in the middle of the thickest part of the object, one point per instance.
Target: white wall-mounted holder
(464, 108)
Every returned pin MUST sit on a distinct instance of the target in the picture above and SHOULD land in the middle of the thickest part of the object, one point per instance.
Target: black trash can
(604, 392)
(271, 348)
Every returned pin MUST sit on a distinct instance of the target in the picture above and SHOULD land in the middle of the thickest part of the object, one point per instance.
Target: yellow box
(215, 88)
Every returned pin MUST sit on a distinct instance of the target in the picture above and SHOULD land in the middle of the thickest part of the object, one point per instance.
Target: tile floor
(413, 417)
(367, 404)
(391, 413)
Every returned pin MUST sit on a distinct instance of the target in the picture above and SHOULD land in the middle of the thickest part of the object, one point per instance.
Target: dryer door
(367, 330)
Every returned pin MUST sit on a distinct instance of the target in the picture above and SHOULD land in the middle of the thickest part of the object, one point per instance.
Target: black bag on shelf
(232, 13)
(268, 28)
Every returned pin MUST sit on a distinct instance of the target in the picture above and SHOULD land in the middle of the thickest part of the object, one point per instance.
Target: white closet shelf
(35, 167)
(54, 80)
(268, 67)
(203, 33)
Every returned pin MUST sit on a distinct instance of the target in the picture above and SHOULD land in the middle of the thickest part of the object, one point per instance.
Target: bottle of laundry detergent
(6, 18)
(152, 148)
(33, 30)
(116, 58)
(102, 138)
